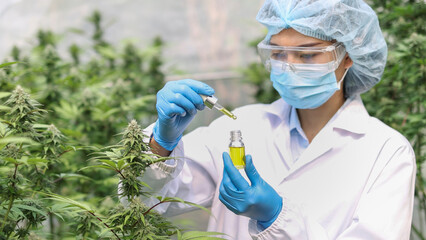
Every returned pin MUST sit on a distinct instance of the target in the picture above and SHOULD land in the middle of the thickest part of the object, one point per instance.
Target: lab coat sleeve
(188, 176)
(384, 210)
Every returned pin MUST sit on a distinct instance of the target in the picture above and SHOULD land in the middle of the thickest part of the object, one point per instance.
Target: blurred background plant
(44, 192)
(399, 99)
(85, 98)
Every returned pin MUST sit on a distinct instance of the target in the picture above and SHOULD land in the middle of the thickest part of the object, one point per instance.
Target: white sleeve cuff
(168, 166)
(166, 170)
(159, 174)
(275, 230)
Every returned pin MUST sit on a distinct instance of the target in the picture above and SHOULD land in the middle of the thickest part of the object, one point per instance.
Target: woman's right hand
(177, 104)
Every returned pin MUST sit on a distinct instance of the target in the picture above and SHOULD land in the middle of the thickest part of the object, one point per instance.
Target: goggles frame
(337, 51)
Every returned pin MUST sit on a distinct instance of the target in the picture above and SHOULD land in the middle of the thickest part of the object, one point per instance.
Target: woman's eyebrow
(302, 45)
(310, 44)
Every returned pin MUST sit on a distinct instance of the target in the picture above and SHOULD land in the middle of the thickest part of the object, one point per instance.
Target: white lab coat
(354, 181)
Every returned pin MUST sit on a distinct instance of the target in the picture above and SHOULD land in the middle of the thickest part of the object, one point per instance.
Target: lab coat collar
(279, 108)
(294, 123)
(352, 116)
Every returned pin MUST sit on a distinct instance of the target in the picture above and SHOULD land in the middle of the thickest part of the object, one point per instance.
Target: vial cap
(235, 135)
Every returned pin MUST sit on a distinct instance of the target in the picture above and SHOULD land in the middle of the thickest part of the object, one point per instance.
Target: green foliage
(89, 100)
(399, 99)
(86, 98)
(59, 181)
(26, 154)
(129, 158)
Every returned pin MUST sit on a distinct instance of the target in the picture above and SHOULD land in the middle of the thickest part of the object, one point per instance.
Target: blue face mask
(303, 92)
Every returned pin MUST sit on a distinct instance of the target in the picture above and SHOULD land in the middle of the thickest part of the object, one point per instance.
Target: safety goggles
(304, 61)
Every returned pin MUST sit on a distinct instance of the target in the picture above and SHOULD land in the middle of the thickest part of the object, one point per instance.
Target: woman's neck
(313, 120)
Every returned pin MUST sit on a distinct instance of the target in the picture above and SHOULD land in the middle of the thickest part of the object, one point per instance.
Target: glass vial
(236, 149)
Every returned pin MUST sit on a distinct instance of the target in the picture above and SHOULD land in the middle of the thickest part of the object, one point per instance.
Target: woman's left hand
(258, 201)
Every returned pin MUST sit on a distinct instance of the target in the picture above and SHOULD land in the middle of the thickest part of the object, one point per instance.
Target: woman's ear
(348, 61)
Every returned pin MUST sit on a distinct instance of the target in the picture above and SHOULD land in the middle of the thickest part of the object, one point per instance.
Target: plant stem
(11, 199)
(7, 213)
(38, 181)
(421, 196)
(121, 174)
(57, 180)
(93, 214)
(420, 215)
(147, 211)
(52, 226)
(63, 153)
(421, 175)
(417, 232)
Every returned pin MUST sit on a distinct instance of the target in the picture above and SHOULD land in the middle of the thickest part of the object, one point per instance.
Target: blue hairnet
(351, 22)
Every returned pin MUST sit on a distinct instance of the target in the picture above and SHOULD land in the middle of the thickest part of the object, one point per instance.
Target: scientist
(319, 167)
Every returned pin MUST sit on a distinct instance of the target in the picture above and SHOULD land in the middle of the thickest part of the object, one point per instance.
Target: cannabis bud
(53, 141)
(24, 111)
(133, 140)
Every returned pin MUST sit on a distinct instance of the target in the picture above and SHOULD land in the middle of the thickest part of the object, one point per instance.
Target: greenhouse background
(210, 41)
(204, 40)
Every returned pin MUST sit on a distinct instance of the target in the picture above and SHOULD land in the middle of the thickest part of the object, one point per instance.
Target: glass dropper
(211, 101)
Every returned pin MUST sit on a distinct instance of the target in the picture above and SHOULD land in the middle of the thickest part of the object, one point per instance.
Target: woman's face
(292, 38)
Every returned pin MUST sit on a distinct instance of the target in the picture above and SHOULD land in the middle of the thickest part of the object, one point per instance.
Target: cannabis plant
(134, 220)
(48, 187)
(32, 200)
(90, 95)
(28, 153)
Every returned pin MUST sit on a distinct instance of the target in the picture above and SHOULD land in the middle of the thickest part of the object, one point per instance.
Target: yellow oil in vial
(238, 157)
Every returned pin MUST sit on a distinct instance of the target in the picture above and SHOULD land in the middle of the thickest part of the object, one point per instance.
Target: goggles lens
(301, 60)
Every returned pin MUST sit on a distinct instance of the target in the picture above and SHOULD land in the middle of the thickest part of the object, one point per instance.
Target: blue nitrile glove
(177, 104)
(258, 201)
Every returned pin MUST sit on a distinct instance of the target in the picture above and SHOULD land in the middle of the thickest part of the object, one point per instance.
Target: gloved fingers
(228, 188)
(198, 87)
(181, 101)
(190, 94)
(168, 110)
(251, 171)
(233, 173)
(239, 204)
(222, 191)
(167, 98)
(228, 205)
(230, 198)
(227, 181)
(233, 193)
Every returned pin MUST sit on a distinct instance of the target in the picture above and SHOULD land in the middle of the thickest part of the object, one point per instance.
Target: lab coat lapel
(321, 144)
(279, 147)
(282, 139)
(352, 117)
